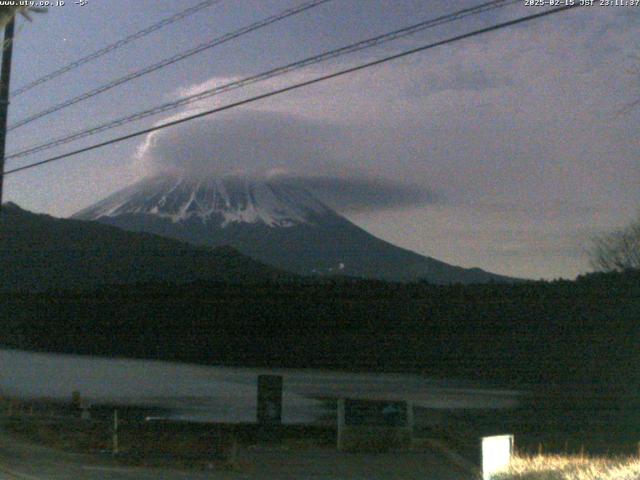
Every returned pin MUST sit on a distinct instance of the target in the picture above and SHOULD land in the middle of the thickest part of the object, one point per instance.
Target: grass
(140, 443)
(158, 443)
(559, 467)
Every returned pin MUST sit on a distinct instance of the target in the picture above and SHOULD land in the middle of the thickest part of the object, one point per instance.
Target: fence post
(340, 441)
(233, 451)
(116, 448)
(85, 414)
(410, 422)
(76, 399)
(269, 399)
(269, 414)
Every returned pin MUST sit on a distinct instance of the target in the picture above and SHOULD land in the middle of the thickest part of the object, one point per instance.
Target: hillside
(39, 252)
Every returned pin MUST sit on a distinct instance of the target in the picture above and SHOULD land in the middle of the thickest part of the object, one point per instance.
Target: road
(20, 461)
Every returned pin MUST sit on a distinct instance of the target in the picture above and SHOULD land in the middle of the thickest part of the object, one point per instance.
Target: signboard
(375, 413)
(269, 399)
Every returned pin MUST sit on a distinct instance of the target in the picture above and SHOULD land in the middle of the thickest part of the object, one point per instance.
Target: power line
(297, 86)
(371, 42)
(171, 60)
(120, 43)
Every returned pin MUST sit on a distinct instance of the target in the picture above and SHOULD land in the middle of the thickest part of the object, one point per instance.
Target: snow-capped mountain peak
(227, 200)
(275, 221)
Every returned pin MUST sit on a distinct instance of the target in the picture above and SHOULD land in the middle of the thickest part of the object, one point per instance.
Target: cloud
(244, 142)
(519, 128)
(505, 117)
(359, 194)
(314, 154)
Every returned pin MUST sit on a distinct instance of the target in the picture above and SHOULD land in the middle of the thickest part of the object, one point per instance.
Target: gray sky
(506, 151)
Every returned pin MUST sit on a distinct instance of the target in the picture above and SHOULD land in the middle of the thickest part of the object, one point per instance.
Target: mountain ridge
(275, 221)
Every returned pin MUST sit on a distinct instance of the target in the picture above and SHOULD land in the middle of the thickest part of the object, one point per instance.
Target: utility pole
(5, 76)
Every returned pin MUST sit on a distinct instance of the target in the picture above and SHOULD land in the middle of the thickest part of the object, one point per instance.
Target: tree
(8, 12)
(618, 250)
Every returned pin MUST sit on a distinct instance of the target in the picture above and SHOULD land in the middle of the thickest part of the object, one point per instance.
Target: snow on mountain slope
(274, 203)
(276, 221)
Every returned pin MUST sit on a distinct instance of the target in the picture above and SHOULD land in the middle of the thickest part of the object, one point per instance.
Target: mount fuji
(275, 221)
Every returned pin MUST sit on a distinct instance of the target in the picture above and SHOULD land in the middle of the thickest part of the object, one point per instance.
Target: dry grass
(550, 467)
(143, 444)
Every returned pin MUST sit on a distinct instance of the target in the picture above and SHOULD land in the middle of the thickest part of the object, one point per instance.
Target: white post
(496, 454)
(115, 432)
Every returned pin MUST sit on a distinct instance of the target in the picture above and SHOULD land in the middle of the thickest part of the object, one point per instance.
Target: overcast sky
(507, 151)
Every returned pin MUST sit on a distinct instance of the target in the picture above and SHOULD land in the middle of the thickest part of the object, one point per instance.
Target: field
(42, 441)
(147, 443)
(558, 467)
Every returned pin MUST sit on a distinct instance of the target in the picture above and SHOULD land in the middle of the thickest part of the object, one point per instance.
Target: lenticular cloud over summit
(250, 143)
(265, 145)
